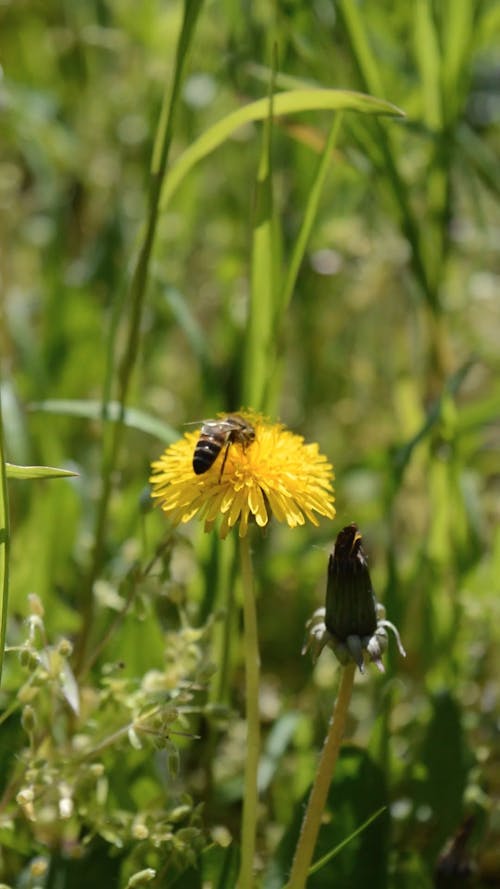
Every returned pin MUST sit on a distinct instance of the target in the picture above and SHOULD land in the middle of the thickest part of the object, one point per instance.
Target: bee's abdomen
(205, 454)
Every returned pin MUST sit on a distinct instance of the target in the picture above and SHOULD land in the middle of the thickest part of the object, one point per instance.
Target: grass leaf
(329, 855)
(260, 345)
(27, 472)
(92, 410)
(429, 62)
(291, 102)
(309, 215)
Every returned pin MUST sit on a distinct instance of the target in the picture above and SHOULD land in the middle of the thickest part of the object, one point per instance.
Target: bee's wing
(202, 423)
(226, 425)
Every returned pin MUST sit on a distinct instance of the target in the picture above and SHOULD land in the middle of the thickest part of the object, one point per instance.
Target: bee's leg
(224, 460)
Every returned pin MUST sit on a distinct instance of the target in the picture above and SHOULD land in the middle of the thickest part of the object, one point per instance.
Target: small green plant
(72, 784)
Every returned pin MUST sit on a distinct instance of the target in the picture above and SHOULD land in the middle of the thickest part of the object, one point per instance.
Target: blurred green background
(388, 356)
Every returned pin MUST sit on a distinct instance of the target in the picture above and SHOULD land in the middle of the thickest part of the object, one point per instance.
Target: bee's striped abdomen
(206, 452)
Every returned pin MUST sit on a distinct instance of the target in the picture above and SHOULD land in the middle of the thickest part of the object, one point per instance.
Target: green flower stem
(225, 631)
(252, 668)
(319, 793)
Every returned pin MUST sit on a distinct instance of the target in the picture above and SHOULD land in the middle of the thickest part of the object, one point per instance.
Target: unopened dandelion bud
(353, 623)
(350, 600)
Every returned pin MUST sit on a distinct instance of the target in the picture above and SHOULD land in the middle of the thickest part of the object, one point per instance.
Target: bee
(216, 434)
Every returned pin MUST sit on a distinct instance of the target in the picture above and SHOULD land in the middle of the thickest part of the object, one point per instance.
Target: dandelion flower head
(276, 473)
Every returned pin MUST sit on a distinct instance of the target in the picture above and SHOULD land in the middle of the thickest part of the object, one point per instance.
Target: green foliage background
(384, 350)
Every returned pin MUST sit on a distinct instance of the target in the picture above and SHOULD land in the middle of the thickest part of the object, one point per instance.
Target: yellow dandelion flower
(275, 473)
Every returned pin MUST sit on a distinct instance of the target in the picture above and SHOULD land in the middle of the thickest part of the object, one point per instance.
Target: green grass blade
(333, 852)
(428, 58)
(480, 156)
(309, 215)
(92, 410)
(458, 44)
(4, 547)
(186, 319)
(291, 102)
(372, 82)
(265, 240)
(163, 137)
(195, 335)
(28, 472)
(428, 55)
(364, 55)
(402, 454)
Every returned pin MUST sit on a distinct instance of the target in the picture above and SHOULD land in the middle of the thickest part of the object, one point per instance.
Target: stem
(319, 793)
(252, 667)
(226, 631)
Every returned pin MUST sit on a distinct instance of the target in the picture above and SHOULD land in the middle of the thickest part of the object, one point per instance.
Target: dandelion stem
(319, 793)
(252, 667)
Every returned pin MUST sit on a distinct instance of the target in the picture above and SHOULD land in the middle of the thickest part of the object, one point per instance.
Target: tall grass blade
(89, 409)
(371, 79)
(480, 156)
(292, 102)
(328, 857)
(458, 45)
(358, 37)
(428, 58)
(309, 215)
(259, 343)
